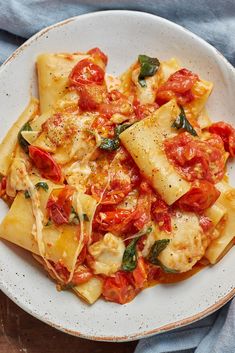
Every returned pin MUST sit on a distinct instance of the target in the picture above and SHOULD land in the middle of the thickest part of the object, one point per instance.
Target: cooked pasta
(116, 183)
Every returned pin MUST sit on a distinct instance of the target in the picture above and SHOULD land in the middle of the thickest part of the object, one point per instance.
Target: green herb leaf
(181, 122)
(129, 260)
(49, 223)
(156, 249)
(27, 194)
(108, 144)
(148, 67)
(22, 142)
(43, 185)
(120, 128)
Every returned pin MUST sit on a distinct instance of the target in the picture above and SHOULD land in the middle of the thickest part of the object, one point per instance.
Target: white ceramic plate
(122, 35)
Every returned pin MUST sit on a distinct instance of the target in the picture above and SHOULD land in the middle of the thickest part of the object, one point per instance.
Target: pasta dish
(118, 183)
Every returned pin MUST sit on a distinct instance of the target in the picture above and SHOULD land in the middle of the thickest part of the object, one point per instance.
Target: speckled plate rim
(180, 323)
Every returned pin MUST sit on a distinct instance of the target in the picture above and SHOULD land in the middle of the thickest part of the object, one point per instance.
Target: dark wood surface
(22, 333)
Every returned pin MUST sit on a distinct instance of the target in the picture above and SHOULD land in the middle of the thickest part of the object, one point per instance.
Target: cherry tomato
(197, 159)
(201, 196)
(118, 289)
(81, 275)
(142, 111)
(117, 103)
(59, 209)
(142, 215)
(46, 165)
(113, 221)
(227, 133)
(114, 195)
(91, 96)
(205, 223)
(140, 274)
(96, 52)
(177, 86)
(160, 212)
(86, 72)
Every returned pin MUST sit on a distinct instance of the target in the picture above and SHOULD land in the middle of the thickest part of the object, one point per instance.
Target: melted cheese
(107, 254)
(146, 94)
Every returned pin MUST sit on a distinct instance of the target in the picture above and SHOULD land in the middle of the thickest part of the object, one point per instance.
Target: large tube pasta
(53, 71)
(144, 141)
(220, 245)
(91, 290)
(8, 144)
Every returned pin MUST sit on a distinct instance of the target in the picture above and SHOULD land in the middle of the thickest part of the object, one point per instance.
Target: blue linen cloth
(213, 20)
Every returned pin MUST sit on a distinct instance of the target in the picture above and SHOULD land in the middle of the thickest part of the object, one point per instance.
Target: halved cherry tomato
(160, 212)
(177, 86)
(118, 289)
(86, 72)
(81, 275)
(227, 133)
(97, 52)
(46, 165)
(59, 209)
(197, 159)
(201, 196)
(91, 96)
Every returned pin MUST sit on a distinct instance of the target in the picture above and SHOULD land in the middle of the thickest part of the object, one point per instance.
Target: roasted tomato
(142, 111)
(140, 274)
(46, 165)
(81, 275)
(177, 86)
(86, 72)
(197, 159)
(3, 185)
(90, 96)
(161, 214)
(205, 223)
(118, 289)
(59, 207)
(114, 195)
(142, 215)
(96, 52)
(116, 103)
(116, 221)
(201, 196)
(227, 133)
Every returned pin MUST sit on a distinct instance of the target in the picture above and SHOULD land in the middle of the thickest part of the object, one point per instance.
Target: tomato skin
(59, 209)
(81, 275)
(140, 274)
(46, 165)
(142, 111)
(160, 212)
(113, 221)
(177, 86)
(91, 96)
(196, 159)
(96, 52)
(205, 223)
(86, 72)
(227, 133)
(118, 289)
(201, 196)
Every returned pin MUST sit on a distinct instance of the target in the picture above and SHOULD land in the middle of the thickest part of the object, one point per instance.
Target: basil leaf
(165, 268)
(129, 260)
(49, 223)
(156, 249)
(120, 128)
(148, 67)
(108, 144)
(181, 122)
(42, 185)
(22, 142)
(27, 194)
